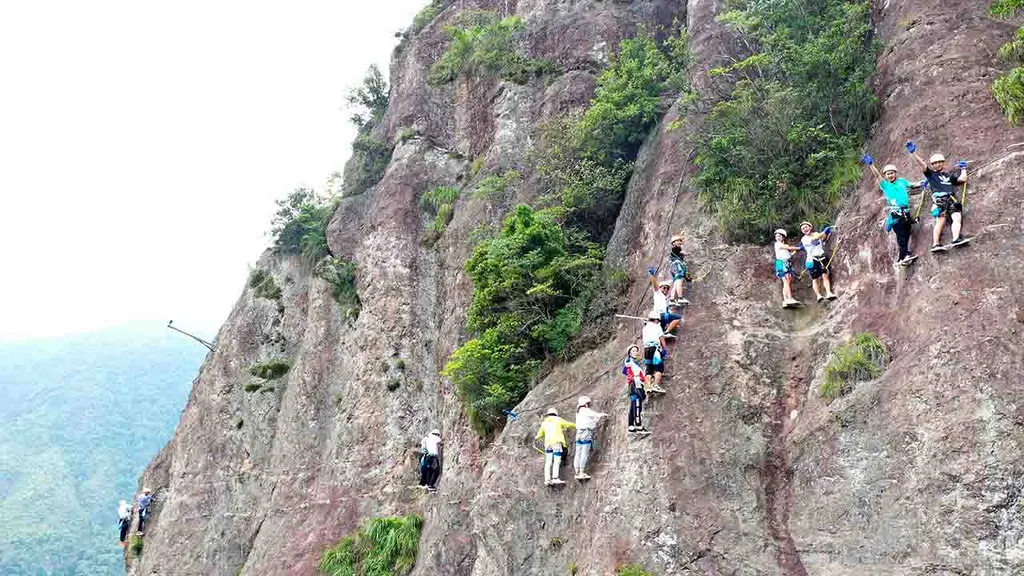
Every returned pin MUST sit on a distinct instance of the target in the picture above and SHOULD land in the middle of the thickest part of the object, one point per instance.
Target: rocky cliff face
(749, 471)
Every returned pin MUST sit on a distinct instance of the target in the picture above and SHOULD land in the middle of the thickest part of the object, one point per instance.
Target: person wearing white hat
(784, 268)
(817, 263)
(945, 203)
(430, 460)
(896, 193)
(586, 422)
(124, 519)
(654, 349)
(635, 383)
(661, 292)
(552, 431)
(680, 271)
(145, 499)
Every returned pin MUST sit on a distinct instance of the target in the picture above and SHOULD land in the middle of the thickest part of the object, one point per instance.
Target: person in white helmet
(430, 461)
(945, 202)
(680, 271)
(586, 422)
(817, 262)
(896, 193)
(552, 431)
(124, 519)
(635, 382)
(784, 268)
(654, 351)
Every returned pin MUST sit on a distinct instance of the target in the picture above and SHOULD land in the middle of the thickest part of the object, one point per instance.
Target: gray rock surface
(748, 471)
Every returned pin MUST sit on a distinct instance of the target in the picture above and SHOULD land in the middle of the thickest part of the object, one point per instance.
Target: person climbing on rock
(552, 431)
(661, 291)
(817, 263)
(945, 203)
(897, 196)
(145, 499)
(654, 351)
(670, 320)
(635, 381)
(124, 519)
(586, 422)
(679, 270)
(430, 460)
(784, 268)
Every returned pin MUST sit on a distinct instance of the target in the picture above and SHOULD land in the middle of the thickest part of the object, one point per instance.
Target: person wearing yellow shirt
(552, 431)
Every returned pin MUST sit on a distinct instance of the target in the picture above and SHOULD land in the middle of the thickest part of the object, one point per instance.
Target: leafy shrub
(783, 146)
(135, 545)
(440, 203)
(426, 16)
(527, 283)
(632, 570)
(1008, 90)
(253, 387)
(369, 100)
(1005, 8)
(586, 160)
(300, 224)
(341, 275)
(369, 161)
(393, 384)
(495, 185)
(476, 166)
(263, 285)
(486, 45)
(382, 547)
(861, 359)
(405, 134)
(270, 370)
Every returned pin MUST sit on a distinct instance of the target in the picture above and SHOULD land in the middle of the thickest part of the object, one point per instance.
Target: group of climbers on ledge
(125, 512)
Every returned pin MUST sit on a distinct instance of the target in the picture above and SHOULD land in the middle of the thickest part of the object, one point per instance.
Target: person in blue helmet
(896, 193)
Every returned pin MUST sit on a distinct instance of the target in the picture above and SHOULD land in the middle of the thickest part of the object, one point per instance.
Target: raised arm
(870, 162)
(912, 149)
(652, 277)
(962, 165)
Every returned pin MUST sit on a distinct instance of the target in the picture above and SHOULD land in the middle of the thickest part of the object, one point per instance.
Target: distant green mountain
(80, 417)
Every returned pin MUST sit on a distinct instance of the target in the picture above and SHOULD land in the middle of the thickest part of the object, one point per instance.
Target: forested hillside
(80, 417)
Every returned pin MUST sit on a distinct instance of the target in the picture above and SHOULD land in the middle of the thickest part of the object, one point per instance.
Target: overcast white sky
(142, 145)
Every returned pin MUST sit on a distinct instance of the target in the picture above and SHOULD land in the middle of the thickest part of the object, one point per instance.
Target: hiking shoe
(938, 248)
(583, 476)
(820, 298)
(656, 389)
(959, 241)
(681, 302)
(557, 481)
(548, 482)
(831, 296)
(431, 489)
(632, 428)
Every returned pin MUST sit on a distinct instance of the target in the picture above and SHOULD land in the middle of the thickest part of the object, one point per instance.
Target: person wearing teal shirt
(896, 192)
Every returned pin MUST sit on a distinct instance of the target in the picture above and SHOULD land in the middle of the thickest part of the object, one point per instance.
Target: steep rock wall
(748, 471)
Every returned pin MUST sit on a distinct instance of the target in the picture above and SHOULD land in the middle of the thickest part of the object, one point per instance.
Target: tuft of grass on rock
(263, 285)
(382, 547)
(270, 370)
(863, 358)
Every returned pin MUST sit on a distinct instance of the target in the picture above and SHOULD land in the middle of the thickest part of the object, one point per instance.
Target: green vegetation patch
(484, 44)
(495, 185)
(529, 283)
(438, 203)
(783, 147)
(382, 547)
(1008, 89)
(300, 224)
(370, 155)
(341, 275)
(426, 16)
(270, 370)
(863, 358)
(135, 545)
(263, 285)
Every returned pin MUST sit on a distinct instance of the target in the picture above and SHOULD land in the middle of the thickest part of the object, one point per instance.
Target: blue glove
(867, 159)
(924, 184)
(827, 230)
(652, 271)
(911, 147)
(961, 164)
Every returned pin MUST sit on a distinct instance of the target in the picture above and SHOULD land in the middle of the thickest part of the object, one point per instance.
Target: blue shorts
(782, 268)
(667, 318)
(817, 267)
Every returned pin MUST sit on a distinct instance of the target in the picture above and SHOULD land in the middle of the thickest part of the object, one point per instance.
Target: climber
(430, 460)
(670, 320)
(945, 203)
(661, 291)
(635, 378)
(654, 351)
(124, 519)
(895, 191)
(813, 243)
(784, 269)
(552, 432)
(679, 270)
(586, 422)
(145, 499)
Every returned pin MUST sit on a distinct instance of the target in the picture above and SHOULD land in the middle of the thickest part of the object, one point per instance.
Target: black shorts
(653, 361)
(817, 268)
